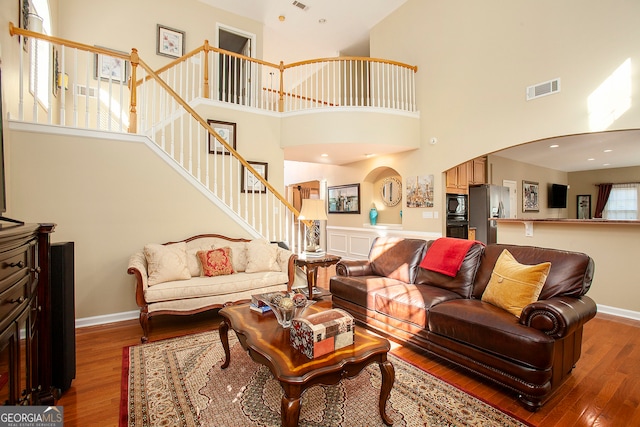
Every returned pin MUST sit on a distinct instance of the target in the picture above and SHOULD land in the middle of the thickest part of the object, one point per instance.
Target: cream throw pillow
(261, 256)
(166, 262)
(238, 255)
(513, 286)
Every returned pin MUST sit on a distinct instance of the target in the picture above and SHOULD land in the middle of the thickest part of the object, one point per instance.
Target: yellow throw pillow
(216, 262)
(513, 286)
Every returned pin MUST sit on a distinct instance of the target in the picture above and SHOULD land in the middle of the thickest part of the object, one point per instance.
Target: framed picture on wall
(227, 131)
(344, 199)
(111, 68)
(249, 183)
(530, 196)
(169, 42)
(583, 204)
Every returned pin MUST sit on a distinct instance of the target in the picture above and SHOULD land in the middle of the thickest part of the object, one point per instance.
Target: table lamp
(313, 210)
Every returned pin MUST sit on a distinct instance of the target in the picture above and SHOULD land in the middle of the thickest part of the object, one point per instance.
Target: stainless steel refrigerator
(487, 201)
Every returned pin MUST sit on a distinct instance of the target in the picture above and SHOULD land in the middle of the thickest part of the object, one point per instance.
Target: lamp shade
(313, 210)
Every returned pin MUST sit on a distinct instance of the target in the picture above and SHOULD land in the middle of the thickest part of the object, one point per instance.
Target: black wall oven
(457, 216)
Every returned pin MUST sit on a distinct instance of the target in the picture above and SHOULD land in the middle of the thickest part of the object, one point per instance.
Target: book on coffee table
(259, 309)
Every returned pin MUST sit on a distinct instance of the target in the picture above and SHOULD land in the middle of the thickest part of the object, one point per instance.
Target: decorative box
(322, 333)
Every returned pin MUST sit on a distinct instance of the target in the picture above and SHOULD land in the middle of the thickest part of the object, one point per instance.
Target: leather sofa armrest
(558, 317)
(138, 268)
(354, 268)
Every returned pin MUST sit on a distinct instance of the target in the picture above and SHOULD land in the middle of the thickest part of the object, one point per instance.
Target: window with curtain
(623, 202)
(40, 53)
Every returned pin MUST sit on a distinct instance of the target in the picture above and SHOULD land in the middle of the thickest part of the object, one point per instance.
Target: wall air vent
(300, 5)
(82, 91)
(543, 89)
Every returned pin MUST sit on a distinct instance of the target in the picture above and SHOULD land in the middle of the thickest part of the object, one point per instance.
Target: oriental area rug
(179, 382)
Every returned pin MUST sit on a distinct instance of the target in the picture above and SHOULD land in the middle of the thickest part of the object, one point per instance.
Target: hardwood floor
(603, 390)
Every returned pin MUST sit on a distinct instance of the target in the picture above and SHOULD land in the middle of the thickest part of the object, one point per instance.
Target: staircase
(114, 91)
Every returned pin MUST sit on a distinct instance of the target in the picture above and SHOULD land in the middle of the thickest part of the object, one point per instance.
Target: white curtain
(623, 202)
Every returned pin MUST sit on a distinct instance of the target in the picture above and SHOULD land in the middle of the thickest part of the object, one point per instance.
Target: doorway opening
(235, 73)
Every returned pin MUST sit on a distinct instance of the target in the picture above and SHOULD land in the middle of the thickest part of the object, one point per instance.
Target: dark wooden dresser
(25, 315)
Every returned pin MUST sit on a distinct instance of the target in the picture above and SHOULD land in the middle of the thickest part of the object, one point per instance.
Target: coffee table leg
(290, 411)
(224, 338)
(388, 377)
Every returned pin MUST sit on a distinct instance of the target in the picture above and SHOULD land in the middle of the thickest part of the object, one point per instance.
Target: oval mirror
(391, 191)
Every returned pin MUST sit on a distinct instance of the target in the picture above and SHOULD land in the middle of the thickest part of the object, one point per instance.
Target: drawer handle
(17, 301)
(19, 264)
(36, 269)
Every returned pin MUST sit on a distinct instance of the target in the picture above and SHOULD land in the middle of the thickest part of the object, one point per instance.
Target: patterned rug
(178, 382)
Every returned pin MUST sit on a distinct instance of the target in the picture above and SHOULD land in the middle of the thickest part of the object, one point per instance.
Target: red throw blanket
(446, 255)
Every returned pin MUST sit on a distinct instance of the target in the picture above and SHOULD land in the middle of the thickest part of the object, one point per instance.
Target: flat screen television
(558, 196)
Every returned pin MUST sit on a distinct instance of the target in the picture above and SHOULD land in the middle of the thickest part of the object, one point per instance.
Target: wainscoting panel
(354, 243)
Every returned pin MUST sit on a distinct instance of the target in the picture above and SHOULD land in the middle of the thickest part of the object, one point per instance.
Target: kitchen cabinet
(460, 177)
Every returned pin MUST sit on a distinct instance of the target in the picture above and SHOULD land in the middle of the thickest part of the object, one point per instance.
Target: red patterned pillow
(216, 262)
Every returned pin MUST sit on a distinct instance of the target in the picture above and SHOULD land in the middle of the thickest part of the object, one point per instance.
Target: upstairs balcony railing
(71, 84)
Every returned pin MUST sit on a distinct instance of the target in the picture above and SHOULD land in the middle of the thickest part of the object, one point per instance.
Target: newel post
(206, 69)
(281, 100)
(133, 114)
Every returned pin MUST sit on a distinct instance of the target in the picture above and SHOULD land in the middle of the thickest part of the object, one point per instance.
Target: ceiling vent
(300, 5)
(543, 89)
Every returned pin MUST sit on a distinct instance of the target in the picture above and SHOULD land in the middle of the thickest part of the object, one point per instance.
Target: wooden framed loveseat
(170, 278)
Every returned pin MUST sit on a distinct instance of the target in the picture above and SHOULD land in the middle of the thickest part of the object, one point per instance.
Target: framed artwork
(110, 68)
(583, 204)
(420, 191)
(530, 199)
(344, 199)
(248, 181)
(227, 131)
(169, 42)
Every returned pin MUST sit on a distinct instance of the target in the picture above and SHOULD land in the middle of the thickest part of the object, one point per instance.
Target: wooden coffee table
(267, 343)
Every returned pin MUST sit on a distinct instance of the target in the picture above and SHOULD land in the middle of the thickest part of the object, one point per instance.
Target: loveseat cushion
(410, 303)
(396, 258)
(493, 330)
(210, 286)
(571, 273)
(262, 256)
(462, 283)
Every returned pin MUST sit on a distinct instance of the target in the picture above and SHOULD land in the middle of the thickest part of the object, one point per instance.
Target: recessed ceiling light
(367, 155)
(590, 159)
(606, 164)
(324, 155)
(554, 146)
(281, 18)
(608, 150)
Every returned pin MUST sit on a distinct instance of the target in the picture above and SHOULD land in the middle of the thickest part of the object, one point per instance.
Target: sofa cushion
(513, 286)
(396, 258)
(462, 283)
(410, 303)
(166, 262)
(216, 262)
(571, 273)
(493, 330)
(262, 256)
(360, 290)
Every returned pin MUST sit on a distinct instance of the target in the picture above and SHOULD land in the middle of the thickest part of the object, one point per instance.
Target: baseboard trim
(107, 318)
(129, 315)
(621, 312)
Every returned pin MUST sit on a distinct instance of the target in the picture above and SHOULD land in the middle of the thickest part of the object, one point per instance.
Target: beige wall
(501, 168)
(110, 198)
(585, 183)
(613, 247)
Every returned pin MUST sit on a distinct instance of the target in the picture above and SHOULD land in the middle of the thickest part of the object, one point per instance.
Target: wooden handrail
(13, 30)
(213, 133)
(352, 58)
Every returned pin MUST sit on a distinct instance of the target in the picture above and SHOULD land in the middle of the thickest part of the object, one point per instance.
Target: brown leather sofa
(445, 315)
